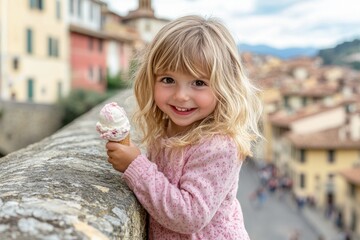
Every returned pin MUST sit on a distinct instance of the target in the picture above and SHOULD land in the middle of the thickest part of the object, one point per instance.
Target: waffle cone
(126, 140)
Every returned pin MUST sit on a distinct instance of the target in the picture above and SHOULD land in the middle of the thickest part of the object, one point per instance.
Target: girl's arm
(208, 176)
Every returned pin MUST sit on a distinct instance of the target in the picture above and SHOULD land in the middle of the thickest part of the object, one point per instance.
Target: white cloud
(318, 23)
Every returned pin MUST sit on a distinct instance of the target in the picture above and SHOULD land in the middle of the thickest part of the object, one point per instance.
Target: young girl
(198, 113)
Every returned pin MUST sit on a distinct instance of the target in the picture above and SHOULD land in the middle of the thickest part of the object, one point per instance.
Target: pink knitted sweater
(190, 195)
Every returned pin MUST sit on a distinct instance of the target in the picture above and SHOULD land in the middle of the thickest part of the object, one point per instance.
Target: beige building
(143, 19)
(34, 50)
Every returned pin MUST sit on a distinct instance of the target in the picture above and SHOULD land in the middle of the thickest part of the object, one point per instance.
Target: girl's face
(184, 99)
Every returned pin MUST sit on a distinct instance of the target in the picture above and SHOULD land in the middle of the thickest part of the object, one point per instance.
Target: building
(143, 19)
(123, 42)
(317, 155)
(88, 44)
(351, 206)
(34, 50)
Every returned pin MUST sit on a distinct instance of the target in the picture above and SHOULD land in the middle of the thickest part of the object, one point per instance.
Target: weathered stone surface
(64, 188)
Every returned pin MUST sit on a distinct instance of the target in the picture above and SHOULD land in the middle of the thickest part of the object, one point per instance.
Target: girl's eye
(167, 80)
(199, 83)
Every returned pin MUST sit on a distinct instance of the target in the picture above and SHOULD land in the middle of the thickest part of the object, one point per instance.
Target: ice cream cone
(126, 140)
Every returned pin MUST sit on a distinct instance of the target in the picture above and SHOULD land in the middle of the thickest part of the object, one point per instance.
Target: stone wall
(64, 188)
(24, 123)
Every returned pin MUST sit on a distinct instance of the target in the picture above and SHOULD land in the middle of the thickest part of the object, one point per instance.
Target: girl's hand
(120, 156)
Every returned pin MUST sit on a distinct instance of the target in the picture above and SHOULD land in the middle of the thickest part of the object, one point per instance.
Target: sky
(278, 23)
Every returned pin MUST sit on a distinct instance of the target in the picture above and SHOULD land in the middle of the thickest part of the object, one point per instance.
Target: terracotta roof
(352, 175)
(327, 139)
(319, 90)
(283, 118)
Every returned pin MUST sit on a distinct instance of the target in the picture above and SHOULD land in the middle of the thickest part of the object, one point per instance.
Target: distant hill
(283, 53)
(347, 53)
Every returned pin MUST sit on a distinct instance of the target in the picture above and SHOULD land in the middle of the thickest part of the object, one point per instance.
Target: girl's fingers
(112, 146)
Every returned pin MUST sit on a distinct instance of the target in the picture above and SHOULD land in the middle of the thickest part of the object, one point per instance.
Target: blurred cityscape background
(60, 58)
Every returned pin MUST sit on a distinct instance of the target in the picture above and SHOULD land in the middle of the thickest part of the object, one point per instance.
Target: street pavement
(278, 218)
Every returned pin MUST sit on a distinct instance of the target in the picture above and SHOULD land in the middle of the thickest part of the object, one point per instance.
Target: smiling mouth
(182, 111)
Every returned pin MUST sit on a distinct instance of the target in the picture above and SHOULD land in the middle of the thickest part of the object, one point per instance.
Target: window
(293, 151)
(29, 41)
(100, 75)
(286, 102)
(53, 47)
(16, 63)
(91, 43)
(32, 3)
(91, 73)
(302, 156)
(353, 221)
(58, 9)
(91, 10)
(331, 156)
(30, 88)
(36, 4)
(79, 9)
(302, 180)
(352, 189)
(100, 45)
(304, 101)
(71, 7)
(50, 46)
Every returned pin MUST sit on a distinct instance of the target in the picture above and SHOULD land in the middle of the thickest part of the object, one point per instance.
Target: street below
(275, 218)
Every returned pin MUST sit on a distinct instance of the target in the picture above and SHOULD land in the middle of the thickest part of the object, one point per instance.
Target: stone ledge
(63, 188)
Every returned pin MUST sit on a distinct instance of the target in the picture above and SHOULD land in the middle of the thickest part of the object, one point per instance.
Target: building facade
(34, 51)
(143, 19)
(351, 206)
(88, 44)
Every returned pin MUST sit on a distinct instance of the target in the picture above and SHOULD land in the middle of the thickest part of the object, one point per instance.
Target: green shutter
(29, 41)
(49, 46)
(32, 3)
(30, 90)
(41, 4)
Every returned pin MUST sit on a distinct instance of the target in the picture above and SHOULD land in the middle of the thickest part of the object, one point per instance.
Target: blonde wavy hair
(200, 47)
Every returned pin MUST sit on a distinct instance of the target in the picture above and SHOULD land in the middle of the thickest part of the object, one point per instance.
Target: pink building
(87, 45)
(88, 60)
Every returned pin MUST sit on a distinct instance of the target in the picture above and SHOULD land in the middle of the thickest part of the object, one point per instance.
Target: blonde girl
(198, 113)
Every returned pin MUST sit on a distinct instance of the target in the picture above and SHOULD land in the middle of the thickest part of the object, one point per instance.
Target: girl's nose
(182, 94)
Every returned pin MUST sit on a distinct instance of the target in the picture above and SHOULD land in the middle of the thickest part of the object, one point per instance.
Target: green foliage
(339, 54)
(355, 65)
(117, 82)
(79, 102)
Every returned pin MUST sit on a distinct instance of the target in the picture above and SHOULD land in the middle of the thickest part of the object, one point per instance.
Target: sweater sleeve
(207, 178)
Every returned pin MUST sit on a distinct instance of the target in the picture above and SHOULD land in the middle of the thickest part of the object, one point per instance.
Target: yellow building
(34, 50)
(351, 206)
(316, 158)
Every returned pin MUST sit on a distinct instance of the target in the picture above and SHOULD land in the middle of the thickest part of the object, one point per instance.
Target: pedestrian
(261, 196)
(199, 114)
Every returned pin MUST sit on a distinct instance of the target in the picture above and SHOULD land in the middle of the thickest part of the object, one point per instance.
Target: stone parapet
(63, 188)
